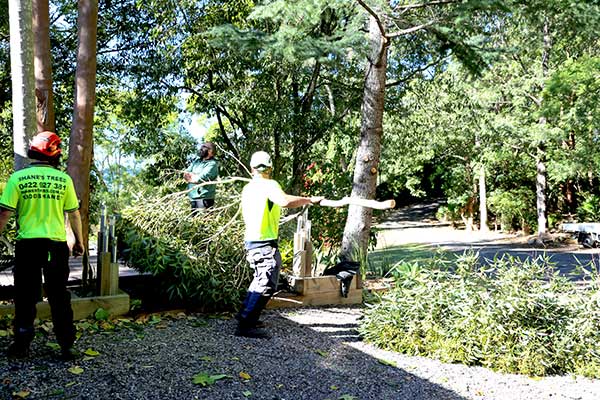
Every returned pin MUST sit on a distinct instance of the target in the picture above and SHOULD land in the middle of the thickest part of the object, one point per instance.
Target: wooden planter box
(83, 307)
(112, 299)
(316, 291)
(311, 290)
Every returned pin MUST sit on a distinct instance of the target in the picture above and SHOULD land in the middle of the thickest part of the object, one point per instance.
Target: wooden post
(109, 284)
(308, 258)
(302, 265)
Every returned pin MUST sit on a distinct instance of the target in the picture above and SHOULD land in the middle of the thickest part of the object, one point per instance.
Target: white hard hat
(261, 160)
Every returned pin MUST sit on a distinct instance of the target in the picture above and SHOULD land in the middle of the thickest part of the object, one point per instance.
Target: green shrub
(515, 208)
(589, 209)
(511, 316)
(200, 260)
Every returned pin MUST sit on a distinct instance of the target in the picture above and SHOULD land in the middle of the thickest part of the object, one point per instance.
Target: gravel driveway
(312, 354)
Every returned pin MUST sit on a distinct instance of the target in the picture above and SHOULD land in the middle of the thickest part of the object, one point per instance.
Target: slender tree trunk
(540, 189)
(358, 224)
(43, 66)
(541, 175)
(483, 218)
(23, 84)
(81, 141)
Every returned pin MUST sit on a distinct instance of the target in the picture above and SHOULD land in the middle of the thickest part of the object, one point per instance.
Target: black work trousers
(32, 257)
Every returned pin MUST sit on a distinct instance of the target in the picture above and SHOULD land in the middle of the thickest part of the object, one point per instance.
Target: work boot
(251, 332)
(17, 350)
(69, 354)
(256, 324)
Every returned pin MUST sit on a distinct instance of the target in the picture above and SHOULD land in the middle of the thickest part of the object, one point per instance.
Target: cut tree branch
(411, 30)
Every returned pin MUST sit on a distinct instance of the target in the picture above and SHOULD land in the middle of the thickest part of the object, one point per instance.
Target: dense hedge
(511, 316)
(199, 259)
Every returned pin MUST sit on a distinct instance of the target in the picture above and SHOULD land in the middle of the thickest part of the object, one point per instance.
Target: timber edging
(83, 307)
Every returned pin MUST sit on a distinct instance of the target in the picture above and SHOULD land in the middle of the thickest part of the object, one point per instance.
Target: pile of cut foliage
(511, 316)
(198, 258)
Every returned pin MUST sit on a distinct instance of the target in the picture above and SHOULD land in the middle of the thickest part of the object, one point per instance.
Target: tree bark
(43, 66)
(358, 224)
(81, 139)
(23, 84)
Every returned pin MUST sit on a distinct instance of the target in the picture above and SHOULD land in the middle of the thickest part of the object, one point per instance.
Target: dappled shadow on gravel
(304, 359)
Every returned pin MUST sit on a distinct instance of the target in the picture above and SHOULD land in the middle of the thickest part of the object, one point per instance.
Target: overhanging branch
(375, 16)
(406, 7)
(413, 73)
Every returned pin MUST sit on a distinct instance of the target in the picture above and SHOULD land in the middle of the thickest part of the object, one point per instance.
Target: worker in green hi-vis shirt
(204, 169)
(262, 199)
(40, 195)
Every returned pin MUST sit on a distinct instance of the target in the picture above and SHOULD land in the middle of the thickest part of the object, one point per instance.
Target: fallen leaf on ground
(91, 353)
(322, 353)
(245, 375)
(205, 379)
(52, 345)
(22, 394)
(386, 362)
(76, 369)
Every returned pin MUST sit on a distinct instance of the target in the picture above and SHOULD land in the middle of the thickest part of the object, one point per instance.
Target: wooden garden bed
(83, 307)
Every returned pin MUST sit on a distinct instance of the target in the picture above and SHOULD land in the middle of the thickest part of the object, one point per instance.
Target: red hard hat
(47, 143)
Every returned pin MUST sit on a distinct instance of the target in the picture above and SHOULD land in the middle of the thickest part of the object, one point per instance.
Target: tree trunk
(23, 85)
(358, 224)
(540, 189)
(43, 66)
(483, 218)
(540, 162)
(81, 140)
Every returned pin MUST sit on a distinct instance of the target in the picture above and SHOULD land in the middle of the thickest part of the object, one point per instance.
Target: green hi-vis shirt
(260, 209)
(204, 171)
(40, 194)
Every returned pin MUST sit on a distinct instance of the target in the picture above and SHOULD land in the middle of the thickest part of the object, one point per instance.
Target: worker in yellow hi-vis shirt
(262, 199)
(40, 195)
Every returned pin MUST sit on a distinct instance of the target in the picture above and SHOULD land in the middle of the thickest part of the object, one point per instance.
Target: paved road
(417, 225)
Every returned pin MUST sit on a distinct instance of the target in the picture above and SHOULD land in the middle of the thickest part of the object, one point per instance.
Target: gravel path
(312, 354)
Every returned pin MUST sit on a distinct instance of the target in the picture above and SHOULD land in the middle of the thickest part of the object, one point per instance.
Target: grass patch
(382, 263)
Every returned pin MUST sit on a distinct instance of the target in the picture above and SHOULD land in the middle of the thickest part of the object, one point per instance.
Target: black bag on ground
(344, 271)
